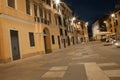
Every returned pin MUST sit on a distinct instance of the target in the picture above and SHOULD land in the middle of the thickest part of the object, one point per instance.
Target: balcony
(42, 20)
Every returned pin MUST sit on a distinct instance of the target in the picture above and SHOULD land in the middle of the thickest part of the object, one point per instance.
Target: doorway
(59, 41)
(15, 44)
(47, 41)
(68, 41)
(64, 43)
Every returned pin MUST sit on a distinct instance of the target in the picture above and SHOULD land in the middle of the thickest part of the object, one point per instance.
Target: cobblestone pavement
(91, 61)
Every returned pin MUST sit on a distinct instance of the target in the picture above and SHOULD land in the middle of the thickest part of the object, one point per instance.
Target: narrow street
(91, 61)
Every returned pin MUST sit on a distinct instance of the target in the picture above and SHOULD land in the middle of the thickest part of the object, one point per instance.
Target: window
(28, 7)
(64, 19)
(116, 22)
(53, 39)
(55, 19)
(11, 3)
(59, 20)
(45, 14)
(31, 38)
(110, 25)
(48, 2)
(50, 17)
(40, 12)
(115, 15)
(65, 32)
(35, 10)
(115, 30)
(61, 32)
(54, 6)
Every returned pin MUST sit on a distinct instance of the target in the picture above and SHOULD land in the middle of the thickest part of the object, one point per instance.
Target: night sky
(90, 10)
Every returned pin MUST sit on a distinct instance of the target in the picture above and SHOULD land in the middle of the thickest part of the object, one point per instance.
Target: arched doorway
(47, 41)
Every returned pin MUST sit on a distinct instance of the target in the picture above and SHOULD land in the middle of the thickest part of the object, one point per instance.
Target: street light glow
(73, 18)
(113, 15)
(105, 22)
(86, 24)
(58, 1)
(78, 22)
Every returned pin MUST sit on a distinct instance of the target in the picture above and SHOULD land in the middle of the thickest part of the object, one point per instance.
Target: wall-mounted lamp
(79, 22)
(113, 15)
(57, 1)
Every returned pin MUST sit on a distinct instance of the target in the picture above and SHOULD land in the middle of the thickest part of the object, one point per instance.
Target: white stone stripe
(50, 74)
(108, 64)
(16, 19)
(94, 72)
(113, 73)
(57, 68)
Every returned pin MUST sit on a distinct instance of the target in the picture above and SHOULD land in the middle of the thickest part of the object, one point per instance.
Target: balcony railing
(42, 20)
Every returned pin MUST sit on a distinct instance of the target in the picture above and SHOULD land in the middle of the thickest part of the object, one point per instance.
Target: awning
(105, 33)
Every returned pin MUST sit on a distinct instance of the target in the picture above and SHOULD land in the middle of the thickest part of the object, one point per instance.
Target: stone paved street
(91, 61)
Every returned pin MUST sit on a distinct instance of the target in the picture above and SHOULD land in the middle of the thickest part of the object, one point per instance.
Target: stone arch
(47, 40)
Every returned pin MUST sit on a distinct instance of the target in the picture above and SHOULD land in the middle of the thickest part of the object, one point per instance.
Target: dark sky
(90, 10)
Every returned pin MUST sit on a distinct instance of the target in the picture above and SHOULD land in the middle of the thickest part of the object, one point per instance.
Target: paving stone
(75, 72)
(51, 74)
(59, 68)
(112, 73)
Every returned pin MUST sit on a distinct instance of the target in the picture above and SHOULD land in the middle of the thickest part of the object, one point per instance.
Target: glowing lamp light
(78, 22)
(86, 24)
(73, 18)
(105, 22)
(57, 1)
(116, 44)
(113, 15)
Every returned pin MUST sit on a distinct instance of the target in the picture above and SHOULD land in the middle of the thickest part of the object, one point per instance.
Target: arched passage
(47, 41)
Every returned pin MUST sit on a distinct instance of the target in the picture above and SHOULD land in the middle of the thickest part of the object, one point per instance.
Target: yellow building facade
(26, 30)
(33, 27)
(113, 24)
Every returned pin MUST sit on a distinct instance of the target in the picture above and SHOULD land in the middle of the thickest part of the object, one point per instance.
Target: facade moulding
(16, 19)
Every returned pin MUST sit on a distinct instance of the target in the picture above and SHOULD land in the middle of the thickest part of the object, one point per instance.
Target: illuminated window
(11, 3)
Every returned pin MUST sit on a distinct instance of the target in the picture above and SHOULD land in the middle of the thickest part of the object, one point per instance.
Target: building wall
(23, 33)
(118, 26)
(18, 20)
(95, 29)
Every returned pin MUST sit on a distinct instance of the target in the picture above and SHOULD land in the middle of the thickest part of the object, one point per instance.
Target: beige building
(96, 31)
(111, 24)
(27, 29)
(80, 31)
(35, 27)
(116, 23)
